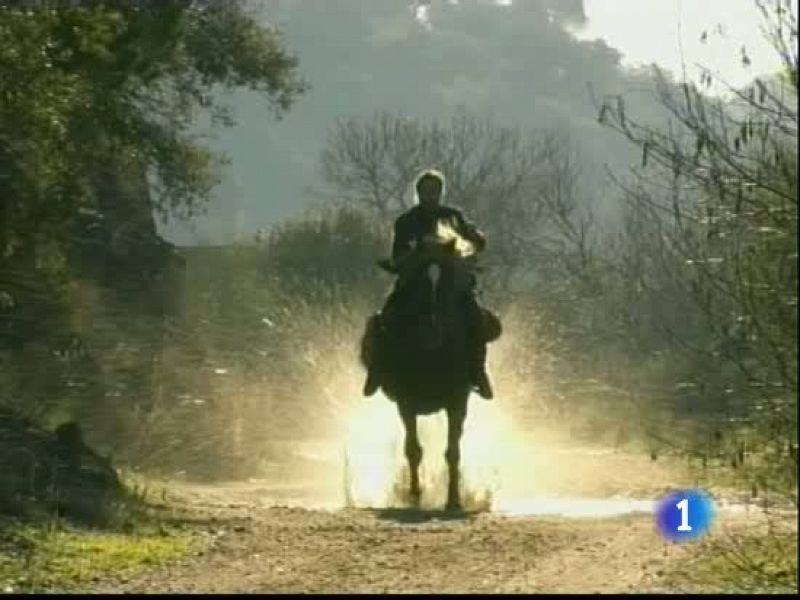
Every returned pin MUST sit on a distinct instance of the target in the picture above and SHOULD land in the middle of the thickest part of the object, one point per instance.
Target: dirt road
(564, 518)
(265, 548)
(284, 549)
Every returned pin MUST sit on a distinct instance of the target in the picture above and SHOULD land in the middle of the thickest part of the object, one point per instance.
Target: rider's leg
(481, 376)
(390, 306)
(478, 343)
(375, 329)
(372, 355)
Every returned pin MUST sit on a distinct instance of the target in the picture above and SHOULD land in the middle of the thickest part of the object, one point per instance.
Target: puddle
(542, 506)
(574, 507)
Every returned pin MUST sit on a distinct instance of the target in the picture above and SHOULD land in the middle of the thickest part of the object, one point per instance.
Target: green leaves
(90, 85)
(719, 249)
(97, 104)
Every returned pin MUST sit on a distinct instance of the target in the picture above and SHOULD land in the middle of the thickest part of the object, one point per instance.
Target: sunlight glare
(376, 469)
(372, 451)
(446, 232)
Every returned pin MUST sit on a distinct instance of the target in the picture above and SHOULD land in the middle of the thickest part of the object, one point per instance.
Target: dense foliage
(98, 105)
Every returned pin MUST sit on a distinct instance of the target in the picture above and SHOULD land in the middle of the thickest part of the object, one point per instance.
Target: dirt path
(274, 535)
(284, 549)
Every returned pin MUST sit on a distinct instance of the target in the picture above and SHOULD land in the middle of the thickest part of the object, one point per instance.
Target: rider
(415, 226)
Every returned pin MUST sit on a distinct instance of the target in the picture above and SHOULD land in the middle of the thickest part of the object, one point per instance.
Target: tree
(511, 183)
(97, 102)
(733, 204)
(333, 249)
(92, 83)
(719, 188)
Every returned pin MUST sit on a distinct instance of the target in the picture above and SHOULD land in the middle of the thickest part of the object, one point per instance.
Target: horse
(425, 348)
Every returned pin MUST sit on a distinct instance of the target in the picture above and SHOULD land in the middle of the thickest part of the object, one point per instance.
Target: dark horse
(425, 347)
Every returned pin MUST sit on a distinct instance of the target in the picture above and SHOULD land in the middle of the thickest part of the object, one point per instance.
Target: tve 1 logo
(685, 515)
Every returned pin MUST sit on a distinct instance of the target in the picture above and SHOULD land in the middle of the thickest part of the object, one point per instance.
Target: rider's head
(430, 187)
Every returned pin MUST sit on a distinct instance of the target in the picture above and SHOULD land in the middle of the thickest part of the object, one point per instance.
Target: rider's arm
(471, 232)
(403, 238)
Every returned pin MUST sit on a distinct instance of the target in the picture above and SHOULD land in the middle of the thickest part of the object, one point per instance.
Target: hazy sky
(664, 28)
(522, 62)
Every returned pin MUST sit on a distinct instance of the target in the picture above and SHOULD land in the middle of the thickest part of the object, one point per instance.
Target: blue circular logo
(685, 515)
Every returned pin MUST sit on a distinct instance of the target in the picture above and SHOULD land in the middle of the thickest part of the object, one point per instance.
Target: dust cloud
(509, 465)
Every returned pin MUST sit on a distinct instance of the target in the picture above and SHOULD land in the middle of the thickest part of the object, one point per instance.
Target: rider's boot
(481, 378)
(372, 384)
(483, 385)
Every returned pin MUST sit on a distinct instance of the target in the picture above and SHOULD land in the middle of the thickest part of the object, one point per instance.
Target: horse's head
(435, 276)
(448, 259)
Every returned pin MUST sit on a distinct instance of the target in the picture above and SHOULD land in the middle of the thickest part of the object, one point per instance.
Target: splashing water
(500, 471)
(371, 456)
(376, 471)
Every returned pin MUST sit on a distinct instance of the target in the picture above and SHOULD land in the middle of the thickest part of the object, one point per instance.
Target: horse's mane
(446, 233)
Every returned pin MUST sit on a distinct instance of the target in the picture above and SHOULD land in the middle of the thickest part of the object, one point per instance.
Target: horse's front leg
(413, 453)
(455, 427)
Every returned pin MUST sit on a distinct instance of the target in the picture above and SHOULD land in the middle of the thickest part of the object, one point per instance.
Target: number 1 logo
(685, 515)
(683, 506)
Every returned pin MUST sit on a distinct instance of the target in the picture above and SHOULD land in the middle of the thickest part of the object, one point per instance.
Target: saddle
(491, 325)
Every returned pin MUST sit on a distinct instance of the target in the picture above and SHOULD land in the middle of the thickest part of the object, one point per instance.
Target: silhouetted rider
(410, 231)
